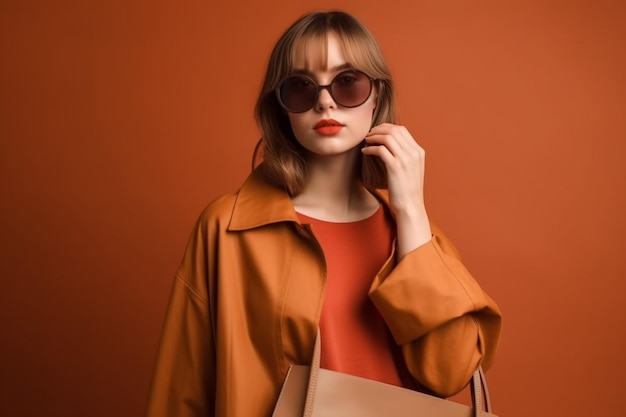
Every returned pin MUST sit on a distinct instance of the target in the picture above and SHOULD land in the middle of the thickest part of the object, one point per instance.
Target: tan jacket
(246, 303)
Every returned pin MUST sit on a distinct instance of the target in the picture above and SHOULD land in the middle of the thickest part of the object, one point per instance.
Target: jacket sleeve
(445, 323)
(183, 383)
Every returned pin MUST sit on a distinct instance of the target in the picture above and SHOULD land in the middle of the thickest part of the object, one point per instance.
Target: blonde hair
(283, 158)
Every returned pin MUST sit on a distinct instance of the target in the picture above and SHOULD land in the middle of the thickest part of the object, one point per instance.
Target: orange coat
(246, 302)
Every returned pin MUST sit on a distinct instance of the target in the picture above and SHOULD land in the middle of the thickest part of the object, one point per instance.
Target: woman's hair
(283, 157)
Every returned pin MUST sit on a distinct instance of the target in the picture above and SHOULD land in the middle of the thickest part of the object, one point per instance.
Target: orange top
(355, 339)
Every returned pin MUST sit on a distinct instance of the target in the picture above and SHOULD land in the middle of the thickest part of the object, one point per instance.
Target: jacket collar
(259, 203)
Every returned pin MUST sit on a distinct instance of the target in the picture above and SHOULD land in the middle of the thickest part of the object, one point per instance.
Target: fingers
(394, 145)
(393, 137)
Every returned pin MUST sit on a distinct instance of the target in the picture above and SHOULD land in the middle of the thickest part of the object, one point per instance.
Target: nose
(324, 99)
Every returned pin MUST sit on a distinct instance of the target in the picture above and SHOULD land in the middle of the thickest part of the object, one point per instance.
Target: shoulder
(257, 203)
(221, 208)
(218, 210)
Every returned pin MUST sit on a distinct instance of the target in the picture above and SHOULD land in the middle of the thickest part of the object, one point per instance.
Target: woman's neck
(333, 191)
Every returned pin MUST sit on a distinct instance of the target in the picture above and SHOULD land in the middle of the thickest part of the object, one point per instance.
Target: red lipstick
(328, 127)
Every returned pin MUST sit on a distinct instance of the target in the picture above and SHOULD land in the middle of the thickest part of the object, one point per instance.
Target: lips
(328, 127)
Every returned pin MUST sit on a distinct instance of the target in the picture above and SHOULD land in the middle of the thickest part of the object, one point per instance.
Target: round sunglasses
(299, 93)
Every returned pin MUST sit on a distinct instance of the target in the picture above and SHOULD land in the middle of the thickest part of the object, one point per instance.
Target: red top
(355, 339)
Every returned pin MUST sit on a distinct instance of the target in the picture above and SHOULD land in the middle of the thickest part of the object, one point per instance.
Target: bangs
(312, 50)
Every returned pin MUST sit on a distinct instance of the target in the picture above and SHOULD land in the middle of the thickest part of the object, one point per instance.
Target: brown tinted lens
(351, 88)
(298, 94)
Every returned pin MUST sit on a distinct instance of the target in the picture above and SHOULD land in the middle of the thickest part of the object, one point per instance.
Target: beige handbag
(311, 391)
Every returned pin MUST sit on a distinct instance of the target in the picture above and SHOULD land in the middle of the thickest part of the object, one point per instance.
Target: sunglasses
(300, 93)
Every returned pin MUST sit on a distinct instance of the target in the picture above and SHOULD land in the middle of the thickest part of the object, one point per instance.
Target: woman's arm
(183, 383)
(446, 324)
(435, 309)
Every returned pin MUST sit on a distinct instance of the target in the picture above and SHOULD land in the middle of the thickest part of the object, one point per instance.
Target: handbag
(311, 391)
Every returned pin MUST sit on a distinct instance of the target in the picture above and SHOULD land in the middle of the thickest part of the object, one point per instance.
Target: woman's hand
(404, 160)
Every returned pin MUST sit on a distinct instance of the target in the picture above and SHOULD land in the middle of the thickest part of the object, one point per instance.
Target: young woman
(329, 231)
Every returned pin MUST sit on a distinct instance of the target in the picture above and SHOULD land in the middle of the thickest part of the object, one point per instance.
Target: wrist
(413, 230)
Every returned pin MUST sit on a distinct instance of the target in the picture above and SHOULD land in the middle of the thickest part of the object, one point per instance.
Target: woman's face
(350, 124)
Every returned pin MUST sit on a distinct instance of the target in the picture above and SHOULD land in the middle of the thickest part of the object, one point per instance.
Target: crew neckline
(304, 217)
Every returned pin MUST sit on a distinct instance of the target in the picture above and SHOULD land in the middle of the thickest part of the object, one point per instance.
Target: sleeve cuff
(426, 289)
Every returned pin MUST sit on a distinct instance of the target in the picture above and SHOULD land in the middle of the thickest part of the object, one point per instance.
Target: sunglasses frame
(326, 87)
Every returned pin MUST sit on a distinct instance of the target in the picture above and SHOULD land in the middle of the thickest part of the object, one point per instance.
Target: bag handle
(479, 391)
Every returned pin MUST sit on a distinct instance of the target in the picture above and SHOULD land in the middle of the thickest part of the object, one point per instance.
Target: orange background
(121, 119)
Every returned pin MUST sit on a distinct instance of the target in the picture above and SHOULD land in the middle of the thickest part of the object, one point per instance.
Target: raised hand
(404, 160)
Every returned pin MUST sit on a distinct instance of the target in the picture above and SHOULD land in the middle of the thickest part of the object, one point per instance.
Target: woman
(329, 231)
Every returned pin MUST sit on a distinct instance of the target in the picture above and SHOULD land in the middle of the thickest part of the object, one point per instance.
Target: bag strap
(315, 367)
(479, 391)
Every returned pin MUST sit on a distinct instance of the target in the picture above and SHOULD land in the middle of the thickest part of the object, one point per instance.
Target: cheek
(297, 123)
(365, 115)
